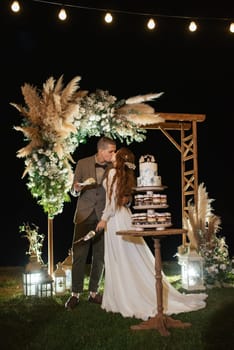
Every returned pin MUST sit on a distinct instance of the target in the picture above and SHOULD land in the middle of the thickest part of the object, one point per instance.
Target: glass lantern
(59, 280)
(191, 270)
(67, 267)
(32, 276)
(45, 286)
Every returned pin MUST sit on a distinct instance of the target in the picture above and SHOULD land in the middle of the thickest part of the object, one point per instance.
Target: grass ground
(43, 323)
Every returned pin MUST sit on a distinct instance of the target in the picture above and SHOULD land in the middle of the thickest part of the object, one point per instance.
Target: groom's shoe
(71, 303)
(96, 300)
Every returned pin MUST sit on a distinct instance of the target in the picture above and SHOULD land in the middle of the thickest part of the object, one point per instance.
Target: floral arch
(56, 120)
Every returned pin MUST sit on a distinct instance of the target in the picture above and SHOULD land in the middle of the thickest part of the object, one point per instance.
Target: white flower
(223, 267)
(218, 266)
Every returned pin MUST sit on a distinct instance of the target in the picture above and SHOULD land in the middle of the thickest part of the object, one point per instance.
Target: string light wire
(150, 14)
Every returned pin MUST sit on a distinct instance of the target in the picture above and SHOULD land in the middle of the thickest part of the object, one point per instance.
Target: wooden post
(50, 247)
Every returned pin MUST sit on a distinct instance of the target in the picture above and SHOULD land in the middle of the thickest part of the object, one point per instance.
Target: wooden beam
(183, 117)
(167, 126)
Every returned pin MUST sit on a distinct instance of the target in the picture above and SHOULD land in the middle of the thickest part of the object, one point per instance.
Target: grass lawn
(32, 323)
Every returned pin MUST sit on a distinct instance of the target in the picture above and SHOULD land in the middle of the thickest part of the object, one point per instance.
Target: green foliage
(49, 180)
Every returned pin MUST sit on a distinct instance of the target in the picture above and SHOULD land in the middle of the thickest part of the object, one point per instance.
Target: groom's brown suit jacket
(92, 197)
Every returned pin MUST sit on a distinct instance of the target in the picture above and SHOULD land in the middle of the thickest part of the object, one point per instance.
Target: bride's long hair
(124, 177)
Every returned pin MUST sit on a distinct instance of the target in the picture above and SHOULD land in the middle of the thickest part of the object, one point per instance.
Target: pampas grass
(49, 115)
(139, 113)
(143, 98)
(201, 223)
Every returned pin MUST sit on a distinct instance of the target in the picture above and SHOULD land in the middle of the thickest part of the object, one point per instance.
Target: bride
(129, 287)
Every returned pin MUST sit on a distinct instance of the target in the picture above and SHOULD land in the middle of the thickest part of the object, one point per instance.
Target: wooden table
(161, 322)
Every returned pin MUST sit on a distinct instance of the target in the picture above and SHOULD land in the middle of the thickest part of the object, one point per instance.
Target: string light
(108, 17)
(231, 28)
(15, 6)
(62, 14)
(192, 26)
(150, 24)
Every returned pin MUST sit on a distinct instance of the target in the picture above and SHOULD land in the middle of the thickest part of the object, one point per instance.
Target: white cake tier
(148, 172)
(149, 180)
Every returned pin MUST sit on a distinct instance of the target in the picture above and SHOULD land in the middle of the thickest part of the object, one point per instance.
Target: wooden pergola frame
(186, 124)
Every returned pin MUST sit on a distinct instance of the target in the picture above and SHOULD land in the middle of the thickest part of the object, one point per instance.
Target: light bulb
(192, 26)
(108, 17)
(62, 14)
(151, 24)
(15, 6)
(231, 28)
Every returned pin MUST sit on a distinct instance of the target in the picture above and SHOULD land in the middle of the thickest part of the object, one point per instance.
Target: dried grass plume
(201, 223)
(49, 114)
(140, 113)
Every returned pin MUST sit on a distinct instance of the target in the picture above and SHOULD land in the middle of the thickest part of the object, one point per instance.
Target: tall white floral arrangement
(48, 123)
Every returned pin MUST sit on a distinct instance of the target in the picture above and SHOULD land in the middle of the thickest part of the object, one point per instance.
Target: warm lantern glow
(59, 280)
(67, 266)
(30, 283)
(191, 271)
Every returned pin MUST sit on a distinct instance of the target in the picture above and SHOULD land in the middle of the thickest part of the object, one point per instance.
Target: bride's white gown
(129, 287)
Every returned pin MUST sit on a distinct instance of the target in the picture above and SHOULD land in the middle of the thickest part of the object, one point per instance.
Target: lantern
(191, 270)
(45, 286)
(32, 276)
(59, 280)
(67, 267)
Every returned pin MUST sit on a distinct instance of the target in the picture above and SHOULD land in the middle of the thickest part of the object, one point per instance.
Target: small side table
(161, 322)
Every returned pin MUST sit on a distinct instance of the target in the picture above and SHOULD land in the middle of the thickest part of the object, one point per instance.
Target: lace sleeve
(110, 207)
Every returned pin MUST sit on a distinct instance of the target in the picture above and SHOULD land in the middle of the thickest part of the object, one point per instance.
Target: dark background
(195, 71)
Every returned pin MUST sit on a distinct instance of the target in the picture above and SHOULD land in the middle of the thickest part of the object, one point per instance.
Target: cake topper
(147, 158)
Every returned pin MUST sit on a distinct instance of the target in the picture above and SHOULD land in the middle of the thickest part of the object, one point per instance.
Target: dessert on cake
(148, 172)
(150, 219)
(149, 182)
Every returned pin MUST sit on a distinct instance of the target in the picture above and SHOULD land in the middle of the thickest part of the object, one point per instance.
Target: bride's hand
(101, 225)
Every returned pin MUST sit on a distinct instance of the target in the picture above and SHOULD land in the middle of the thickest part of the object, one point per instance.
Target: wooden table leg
(160, 322)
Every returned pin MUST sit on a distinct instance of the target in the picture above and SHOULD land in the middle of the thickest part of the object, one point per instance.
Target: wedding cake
(148, 172)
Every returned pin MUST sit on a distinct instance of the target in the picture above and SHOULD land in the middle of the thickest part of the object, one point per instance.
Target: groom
(90, 205)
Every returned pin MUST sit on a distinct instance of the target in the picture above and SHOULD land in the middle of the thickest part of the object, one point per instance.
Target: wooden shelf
(152, 206)
(149, 188)
(166, 232)
(151, 226)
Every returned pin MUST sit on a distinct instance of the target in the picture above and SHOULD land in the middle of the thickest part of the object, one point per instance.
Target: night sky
(195, 72)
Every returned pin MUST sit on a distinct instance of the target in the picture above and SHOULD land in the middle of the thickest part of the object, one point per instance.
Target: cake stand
(160, 322)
